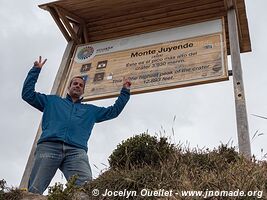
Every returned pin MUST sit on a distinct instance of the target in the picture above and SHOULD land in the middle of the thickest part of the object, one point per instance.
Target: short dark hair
(81, 77)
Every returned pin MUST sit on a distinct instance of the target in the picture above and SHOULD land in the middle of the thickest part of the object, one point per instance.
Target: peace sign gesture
(39, 64)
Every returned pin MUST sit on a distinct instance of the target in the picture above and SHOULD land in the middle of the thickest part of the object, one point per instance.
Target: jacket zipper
(69, 123)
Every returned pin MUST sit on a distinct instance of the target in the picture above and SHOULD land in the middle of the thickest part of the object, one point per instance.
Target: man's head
(76, 87)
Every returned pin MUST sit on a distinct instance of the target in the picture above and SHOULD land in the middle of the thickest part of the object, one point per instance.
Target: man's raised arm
(29, 95)
(111, 112)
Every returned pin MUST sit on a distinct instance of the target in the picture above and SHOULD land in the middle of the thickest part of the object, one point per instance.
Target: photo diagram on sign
(86, 67)
(102, 64)
(99, 77)
(110, 76)
(85, 78)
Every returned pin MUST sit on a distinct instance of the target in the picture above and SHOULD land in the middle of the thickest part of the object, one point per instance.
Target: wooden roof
(95, 20)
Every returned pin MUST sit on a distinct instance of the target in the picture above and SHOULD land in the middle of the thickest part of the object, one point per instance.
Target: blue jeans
(50, 156)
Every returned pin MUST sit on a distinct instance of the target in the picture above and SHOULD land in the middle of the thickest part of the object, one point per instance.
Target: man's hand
(39, 64)
(126, 83)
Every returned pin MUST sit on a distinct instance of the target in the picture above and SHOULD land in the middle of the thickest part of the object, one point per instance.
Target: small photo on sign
(102, 64)
(85, 78)
(110, 76)
(99, 77)
(86, 67)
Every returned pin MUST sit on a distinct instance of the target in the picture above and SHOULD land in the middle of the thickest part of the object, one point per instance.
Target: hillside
(146, 167)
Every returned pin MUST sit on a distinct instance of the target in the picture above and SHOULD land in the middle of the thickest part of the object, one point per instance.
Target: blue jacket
(64, 120)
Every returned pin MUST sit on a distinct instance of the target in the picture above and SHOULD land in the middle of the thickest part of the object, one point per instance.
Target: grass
(221, 169)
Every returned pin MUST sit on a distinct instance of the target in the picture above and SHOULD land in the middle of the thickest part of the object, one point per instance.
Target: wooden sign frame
(154, 61)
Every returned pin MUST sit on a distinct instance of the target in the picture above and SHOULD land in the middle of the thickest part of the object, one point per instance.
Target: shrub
(9, 193)
(209, 160)
(141, 150)
(57, 192)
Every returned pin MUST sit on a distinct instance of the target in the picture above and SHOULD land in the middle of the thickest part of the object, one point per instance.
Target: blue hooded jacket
(66, 121)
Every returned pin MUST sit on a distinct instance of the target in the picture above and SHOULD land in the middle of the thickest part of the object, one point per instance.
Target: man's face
(76, 88)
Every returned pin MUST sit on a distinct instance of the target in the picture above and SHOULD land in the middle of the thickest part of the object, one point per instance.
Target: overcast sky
(205, 114)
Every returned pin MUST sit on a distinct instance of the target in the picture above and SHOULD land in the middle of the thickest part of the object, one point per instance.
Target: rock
(31, 196)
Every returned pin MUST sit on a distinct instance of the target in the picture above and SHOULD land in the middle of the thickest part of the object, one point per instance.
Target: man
(66, 128)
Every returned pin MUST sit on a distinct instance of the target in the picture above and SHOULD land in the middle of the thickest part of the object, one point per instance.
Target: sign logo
(85, 53)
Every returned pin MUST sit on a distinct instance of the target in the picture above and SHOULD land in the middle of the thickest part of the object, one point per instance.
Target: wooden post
(240, 101)
(56, 89)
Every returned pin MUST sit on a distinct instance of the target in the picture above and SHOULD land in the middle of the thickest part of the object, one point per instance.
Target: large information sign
(172, 58)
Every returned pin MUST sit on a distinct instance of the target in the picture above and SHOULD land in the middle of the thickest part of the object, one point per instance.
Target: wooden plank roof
(96, 20)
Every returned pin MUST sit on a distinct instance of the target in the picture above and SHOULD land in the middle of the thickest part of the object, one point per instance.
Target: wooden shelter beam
(231, 4)
(85, 33)
(66, 23)
(56, 18)
(102, 16)
(78, 28)
(71, 15)
(240, 101)
(79, 22)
